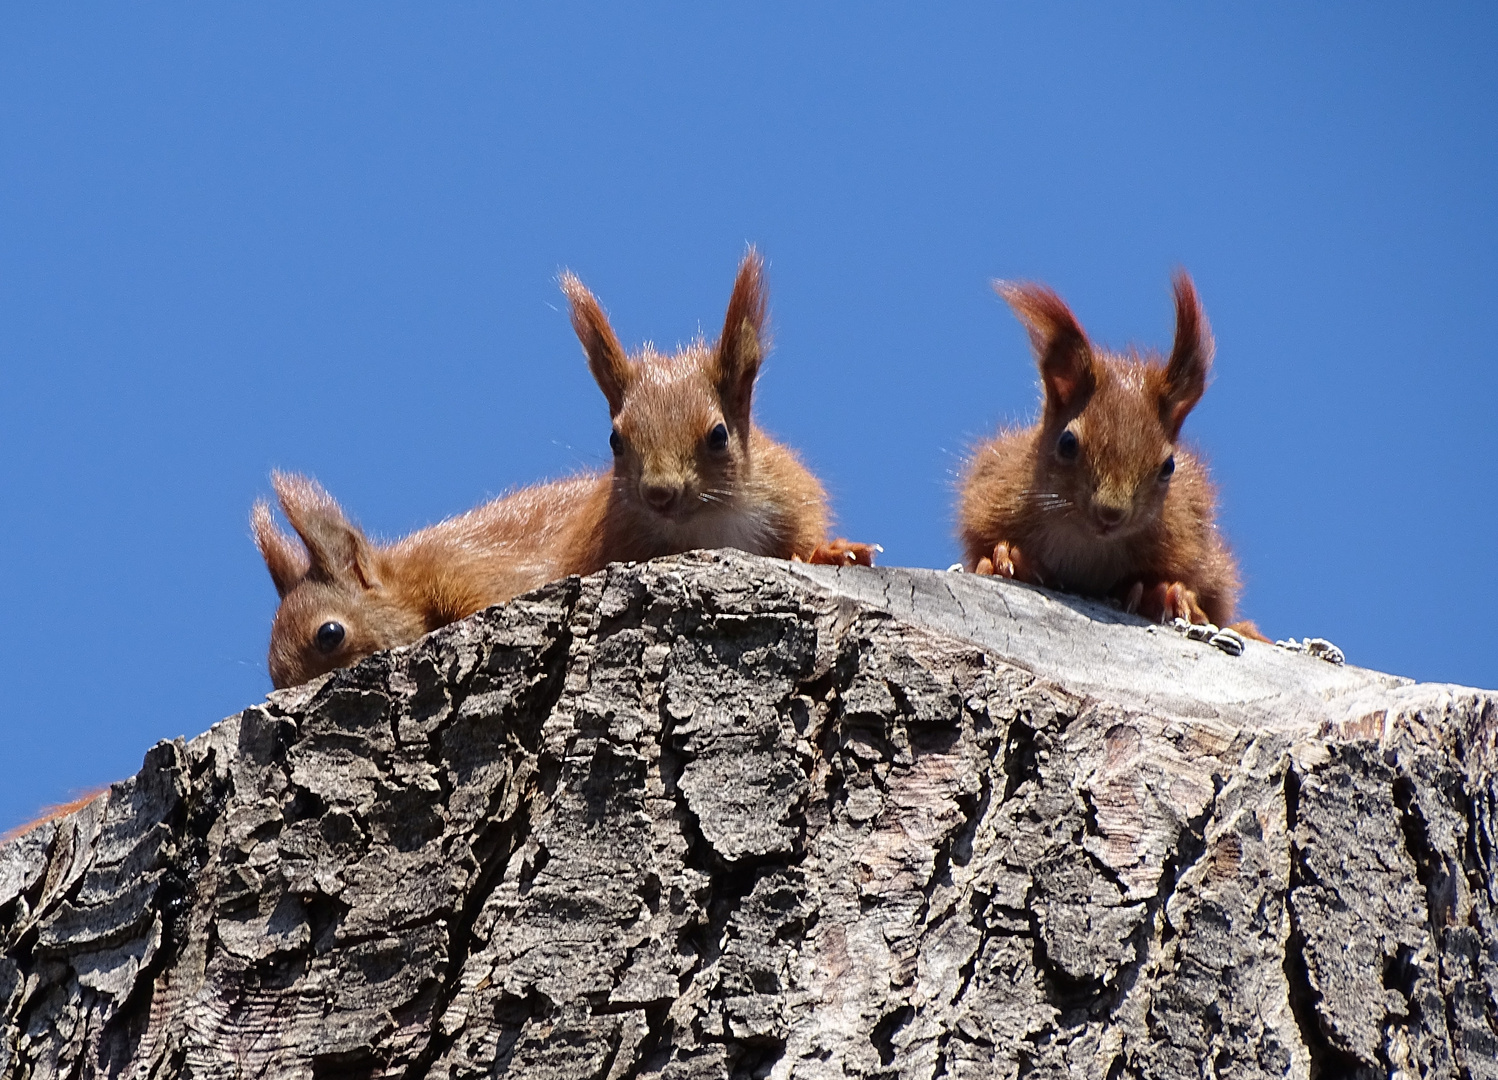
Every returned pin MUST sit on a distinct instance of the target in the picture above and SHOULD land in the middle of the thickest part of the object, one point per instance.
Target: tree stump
(720, 816)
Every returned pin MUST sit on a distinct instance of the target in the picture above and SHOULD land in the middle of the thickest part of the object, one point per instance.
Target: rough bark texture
(718, 816)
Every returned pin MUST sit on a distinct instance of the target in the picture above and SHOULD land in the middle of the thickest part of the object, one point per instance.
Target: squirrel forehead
(649, 366)
(1127, 373)
(1121, 420)
(678, 389)
(310, 600)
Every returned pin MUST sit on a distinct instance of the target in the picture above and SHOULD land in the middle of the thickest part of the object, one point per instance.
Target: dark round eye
(1067, 446)
(616, 442)
(1168, 468)
(329, 636)
(717, 439)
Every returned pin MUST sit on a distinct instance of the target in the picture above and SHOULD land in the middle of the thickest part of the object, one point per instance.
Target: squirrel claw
(1004, 556)
(1167, 600)
(1006, 561)
(842, 552)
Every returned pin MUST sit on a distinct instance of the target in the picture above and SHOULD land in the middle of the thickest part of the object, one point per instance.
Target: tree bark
(719, 816)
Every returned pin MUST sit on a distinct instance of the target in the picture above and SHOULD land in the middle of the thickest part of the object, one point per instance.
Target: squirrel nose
(1109, 516)
(659, 497)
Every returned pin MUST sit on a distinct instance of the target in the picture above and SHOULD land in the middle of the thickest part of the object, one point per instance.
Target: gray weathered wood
(720, 816)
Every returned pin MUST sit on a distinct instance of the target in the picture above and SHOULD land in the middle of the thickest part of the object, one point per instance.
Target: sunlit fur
(1106, 522)
(669, 490)
(385, 595)
(753, 495)
(52, 813)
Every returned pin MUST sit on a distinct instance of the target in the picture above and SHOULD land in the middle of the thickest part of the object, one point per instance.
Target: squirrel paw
(1164, 601)
(1004, 557)
(842, 552)
(1006, 561)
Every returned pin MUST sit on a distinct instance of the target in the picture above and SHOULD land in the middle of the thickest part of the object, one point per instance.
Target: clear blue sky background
(326, 238)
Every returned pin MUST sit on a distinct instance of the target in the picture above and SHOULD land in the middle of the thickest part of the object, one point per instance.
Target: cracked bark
(717, 816)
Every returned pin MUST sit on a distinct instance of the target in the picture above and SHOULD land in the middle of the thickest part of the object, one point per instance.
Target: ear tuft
(1061, 348)
(742, 346)
(338, 550)
(1190, 358)
(300, 495)
(285, 558)
(606, 359)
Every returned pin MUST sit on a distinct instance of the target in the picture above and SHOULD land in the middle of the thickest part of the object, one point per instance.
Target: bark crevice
(718, 817)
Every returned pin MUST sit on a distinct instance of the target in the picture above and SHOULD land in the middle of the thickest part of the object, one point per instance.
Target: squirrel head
(681, 423)
(335, 605)
(1105, 451)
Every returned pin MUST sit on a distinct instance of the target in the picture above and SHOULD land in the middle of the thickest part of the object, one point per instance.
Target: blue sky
(326, 238)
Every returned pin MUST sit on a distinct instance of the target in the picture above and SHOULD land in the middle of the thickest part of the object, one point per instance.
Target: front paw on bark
(842, 552)
(1007, 562)
(1164, 601)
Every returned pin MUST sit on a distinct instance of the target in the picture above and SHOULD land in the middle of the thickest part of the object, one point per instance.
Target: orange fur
(52, 813)
(1097, 516)
(673, 488)
(388, 595)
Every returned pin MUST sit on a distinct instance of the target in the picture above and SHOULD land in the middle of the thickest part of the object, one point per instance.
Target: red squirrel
(690, 468)
(690, 471)
(344, 596)
(1099, 498)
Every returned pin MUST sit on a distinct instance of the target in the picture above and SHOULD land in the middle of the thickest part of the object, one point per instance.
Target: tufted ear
(1190, 358)
(338, 549)
(741, 348)
(1061, 348)
(606, 359)
(285, 558)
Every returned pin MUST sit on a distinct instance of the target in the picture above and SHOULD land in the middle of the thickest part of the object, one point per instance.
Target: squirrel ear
(1061, 348)
(741, 348)
(284, 557)
(339, 550)
(1190, 358)
(606, 357)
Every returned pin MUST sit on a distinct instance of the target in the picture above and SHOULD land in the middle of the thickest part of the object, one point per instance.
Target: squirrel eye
(1067, 446)
(717, 439)
(616, 442)
(1168, 468)
(329, 636)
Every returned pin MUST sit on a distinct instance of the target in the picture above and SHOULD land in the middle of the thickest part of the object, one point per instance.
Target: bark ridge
(720, 816)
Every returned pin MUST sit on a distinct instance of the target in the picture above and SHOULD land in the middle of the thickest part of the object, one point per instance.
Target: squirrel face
(1105, 451)
(335, 607)
(1111, 461)
(680, 424)
(324, 625)
(676, 451)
